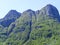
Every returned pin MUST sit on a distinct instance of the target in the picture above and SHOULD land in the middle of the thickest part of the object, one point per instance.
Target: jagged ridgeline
(41, 27)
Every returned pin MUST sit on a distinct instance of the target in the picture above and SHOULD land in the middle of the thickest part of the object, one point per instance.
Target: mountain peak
(49, 5)
(12, 11)
(12, 14)
(49, 10)
(29, 10)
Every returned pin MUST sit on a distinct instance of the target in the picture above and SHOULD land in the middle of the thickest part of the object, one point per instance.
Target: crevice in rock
(30, 29)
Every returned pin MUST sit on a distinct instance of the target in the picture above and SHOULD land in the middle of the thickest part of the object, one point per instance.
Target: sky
(22, 5)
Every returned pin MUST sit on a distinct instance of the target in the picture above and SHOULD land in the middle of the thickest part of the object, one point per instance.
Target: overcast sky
(22, 5)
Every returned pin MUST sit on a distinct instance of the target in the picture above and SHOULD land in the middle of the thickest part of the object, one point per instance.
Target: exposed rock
(49, 10)
(9, 18)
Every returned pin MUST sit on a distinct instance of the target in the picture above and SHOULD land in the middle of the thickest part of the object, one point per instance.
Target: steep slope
(45, 31)
(40, 27)
(22, 29)
(49, 10)
(9, 18)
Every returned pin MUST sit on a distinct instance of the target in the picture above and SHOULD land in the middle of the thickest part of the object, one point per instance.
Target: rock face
(49, 10)
(9, 18)
(12, 14)
(41, 27)
(52, 11)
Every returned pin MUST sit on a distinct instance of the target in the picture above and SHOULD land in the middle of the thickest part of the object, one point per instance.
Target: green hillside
(41, 27)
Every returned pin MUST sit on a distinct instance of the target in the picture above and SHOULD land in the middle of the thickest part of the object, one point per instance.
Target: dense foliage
(32, 28)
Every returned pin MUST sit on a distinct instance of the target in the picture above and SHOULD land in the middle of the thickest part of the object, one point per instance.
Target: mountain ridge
(9, 18)
(41, 27)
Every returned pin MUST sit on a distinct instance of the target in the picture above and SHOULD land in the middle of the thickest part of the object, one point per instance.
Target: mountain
(41, 27)
(9, 18)
(51, 11)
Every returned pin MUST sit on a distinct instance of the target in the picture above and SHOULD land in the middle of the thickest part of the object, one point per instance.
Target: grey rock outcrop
(9, 18)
